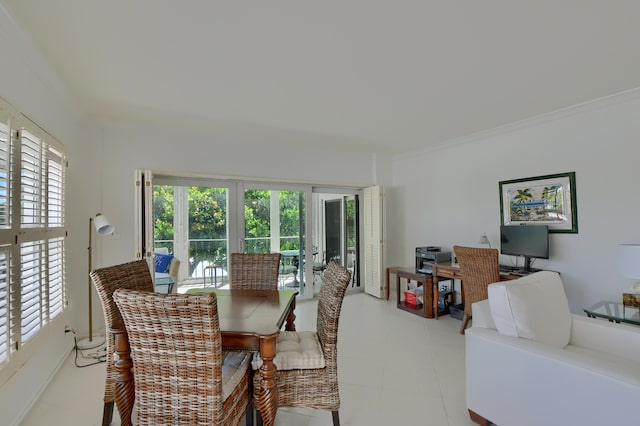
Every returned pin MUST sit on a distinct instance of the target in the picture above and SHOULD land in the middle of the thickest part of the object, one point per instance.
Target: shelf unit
(425, 309)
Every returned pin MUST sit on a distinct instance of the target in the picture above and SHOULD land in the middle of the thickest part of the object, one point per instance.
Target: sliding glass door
(202, 221)
(275, 221)
(192, 221)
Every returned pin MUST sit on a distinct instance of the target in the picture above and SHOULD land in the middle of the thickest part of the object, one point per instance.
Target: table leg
(436, 294)
(267, 392)
(388, 273)
(125, 389)
(427, 295)
(291, 318)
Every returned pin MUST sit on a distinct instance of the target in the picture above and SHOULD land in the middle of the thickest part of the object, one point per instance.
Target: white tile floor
(395, 368)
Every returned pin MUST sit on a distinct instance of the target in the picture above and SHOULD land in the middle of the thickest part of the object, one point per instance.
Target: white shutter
(5, 203)
(31, 280)
(56, 276)
(31, 180)
(143, 205)
(55, 187)
(32, 233)
(5, 334)
(5, 196)
(373, 241)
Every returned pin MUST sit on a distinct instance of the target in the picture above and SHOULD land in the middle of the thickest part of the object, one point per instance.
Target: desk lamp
(484, 239)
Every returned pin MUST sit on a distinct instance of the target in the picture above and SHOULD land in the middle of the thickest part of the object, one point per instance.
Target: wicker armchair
(311, 386)
(182, 375)
(132, 275)
(480, 267)
(254, 271)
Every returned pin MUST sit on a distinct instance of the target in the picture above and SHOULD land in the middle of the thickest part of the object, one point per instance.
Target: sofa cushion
(533, 307)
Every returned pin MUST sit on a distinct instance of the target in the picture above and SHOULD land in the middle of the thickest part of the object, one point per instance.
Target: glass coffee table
(614, 312)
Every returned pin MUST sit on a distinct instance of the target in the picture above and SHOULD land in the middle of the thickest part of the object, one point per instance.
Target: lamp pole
(103, 227)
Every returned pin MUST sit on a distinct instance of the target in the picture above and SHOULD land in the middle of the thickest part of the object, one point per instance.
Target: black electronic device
(425, 256)
(528, 241)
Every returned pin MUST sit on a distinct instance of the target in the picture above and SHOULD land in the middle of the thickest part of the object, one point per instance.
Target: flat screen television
(529, 241)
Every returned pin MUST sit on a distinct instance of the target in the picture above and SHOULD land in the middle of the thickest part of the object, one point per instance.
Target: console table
(448, 271)
(410, 274)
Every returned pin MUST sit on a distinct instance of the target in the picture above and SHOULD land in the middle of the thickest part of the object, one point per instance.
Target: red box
(411, 297)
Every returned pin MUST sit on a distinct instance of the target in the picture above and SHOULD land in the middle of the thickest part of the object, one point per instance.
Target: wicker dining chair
(254, 271)
(479, 267)
(131, 275)
(309, 378)
(182, 375)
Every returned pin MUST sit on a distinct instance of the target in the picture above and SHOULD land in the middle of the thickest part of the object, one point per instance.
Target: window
(32, 231)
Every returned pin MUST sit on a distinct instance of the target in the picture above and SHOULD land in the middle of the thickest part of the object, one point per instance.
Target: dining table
(249, 320)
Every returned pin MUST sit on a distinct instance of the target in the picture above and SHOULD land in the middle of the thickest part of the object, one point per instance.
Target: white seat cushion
(295, 351)
(234, 365)
(533, 307)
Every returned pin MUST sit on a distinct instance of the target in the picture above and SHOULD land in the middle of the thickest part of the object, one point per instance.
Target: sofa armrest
(481, 315)
(516, 381)
(622, 340)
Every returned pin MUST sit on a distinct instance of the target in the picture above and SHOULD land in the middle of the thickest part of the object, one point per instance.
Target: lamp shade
(484, 239)
(629, 260)
(102, 225)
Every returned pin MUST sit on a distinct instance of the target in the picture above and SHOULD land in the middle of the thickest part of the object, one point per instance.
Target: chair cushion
(162, 262)
(234, 365)
(296, 351)
(534, 307)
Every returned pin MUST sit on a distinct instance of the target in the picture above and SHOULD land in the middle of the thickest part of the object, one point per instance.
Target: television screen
(525, 240)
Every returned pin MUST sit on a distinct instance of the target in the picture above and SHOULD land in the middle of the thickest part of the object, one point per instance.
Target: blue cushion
(162, 262)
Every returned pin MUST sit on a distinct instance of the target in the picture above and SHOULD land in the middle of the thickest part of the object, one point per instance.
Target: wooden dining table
(249, 319)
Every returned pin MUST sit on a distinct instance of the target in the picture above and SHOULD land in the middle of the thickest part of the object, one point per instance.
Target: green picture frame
(541, 200)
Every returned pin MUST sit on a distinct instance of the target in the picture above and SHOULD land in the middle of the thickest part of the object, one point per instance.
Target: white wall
(28, 83)
(449, 195)
(232, 151)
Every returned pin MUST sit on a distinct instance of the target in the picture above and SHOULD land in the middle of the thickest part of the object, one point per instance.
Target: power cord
(98, 356)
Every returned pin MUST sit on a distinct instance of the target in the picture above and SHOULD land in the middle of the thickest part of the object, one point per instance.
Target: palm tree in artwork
(520, 212)
(523, 195)
(550, 195)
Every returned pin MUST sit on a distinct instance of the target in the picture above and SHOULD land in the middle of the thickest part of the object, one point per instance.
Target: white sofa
(529, 361)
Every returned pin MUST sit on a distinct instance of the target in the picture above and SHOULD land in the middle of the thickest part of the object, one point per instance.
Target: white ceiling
(399, 74)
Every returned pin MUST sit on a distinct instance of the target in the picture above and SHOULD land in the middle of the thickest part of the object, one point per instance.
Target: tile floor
(395, 368)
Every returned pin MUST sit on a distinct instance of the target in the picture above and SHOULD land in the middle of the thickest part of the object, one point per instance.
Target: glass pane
(163, 217)
(274, 222)
(207, 229)
(191, 223)
(257, 221)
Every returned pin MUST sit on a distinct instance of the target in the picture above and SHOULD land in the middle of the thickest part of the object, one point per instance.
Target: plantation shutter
(143, 205)
(5, 332)
(32, 232)
(373, 241)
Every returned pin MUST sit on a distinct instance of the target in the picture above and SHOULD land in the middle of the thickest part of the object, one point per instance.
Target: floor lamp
(103, 227)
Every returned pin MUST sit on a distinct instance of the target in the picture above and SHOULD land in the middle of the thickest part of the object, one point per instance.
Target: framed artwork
(541, 200)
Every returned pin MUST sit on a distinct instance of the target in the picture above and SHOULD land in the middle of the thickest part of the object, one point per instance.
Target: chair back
(254, 271)
(334, 286)
(479, 267)
(176, 348)
(131, 275)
